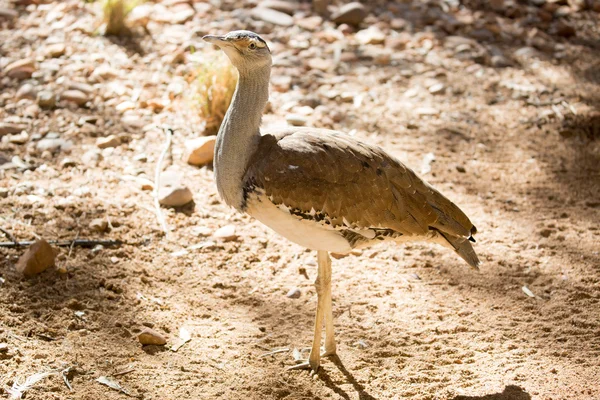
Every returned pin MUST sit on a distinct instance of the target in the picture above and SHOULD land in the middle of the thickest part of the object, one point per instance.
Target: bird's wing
(337, 178)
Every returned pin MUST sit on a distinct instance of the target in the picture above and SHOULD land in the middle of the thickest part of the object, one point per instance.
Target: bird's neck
(239, 134)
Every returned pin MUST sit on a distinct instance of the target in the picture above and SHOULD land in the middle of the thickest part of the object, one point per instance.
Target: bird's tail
(462, 247)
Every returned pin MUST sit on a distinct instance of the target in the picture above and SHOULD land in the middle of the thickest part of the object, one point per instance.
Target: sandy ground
(412, 322)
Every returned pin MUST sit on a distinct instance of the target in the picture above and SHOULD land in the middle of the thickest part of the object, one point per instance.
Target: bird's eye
(252, 46)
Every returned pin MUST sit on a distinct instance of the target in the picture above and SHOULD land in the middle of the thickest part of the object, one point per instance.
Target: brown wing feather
(350, 181)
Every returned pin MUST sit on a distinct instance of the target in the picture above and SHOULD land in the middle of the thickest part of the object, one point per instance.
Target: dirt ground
(515, 142)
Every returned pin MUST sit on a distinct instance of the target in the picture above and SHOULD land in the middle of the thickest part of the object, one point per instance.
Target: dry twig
(10, 236)
(159, 214)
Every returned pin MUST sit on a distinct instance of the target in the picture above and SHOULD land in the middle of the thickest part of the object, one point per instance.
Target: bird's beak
(216, 40)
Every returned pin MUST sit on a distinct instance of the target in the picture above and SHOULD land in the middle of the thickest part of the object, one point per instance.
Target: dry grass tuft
(114, 14)
(213, 89)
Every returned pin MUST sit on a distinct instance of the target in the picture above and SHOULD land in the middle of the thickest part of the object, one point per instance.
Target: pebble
(27, 91)
(19, 138)
(372, 35)
(149, 336)
(8, 13)
(68, 162)
(437, 88)
(310, 23)
(3, 347)
(7, 128)
(46, 99)
(104, 72)
(226, 233)
(37, 258)
(320, 64)
(109, 141)
(200, 151)
(272, 16)
(174, 196)
(55, 50)
(91, 158)
(294, 293)
(499, 61)
(287, 7)
(53, 145)
(75, 96)
(99, 225)
(352, 14)
(3, 193)
(296, 120)
(424, 111)
(461, 169)
(21, 69)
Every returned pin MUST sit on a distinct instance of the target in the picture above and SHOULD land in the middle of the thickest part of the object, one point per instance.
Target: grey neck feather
(239, 134)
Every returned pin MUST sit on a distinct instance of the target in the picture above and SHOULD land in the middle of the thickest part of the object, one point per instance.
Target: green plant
(214, 85)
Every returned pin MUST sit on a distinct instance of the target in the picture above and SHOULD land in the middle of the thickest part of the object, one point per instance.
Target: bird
(321, 189)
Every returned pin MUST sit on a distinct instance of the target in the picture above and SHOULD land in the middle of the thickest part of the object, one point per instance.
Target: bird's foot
(311, 363)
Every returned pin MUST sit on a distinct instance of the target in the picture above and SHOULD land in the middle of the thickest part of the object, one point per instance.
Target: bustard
(319, 188)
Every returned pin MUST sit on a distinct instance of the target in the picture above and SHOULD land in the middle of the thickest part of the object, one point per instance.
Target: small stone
(55, 50)
(3, 347)
(310, 23)
(149, 336)
(99, 225)
(352, 14)
(81, 86)
(3, 193)
(74, 96)
(425, 111)
(19, 138)
(296, 120)
(320, 64)
(546, 232)
(27, 91)
(288, 7)
(22, 69)
(124, 106)
(46, 99)
(104, 72)
(68, 162)
(226, 233)
(272, 16)
(200, 151)
(91, 158)
(294, 293)
(36, 259)
(437, 88)
(371, 35)
(109, 141)
(8, 13)
(53, 145)
(175, 196)
(7, 128)
(461, 169)
(499, 61)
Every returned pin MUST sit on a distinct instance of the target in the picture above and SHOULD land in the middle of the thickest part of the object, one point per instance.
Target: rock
(22, 69)
(226, 233)
(99, 225)
(3, 347)
(294, 293)
(53, 145)
(287, 7)
(499, 61)
(36, 259)
(437, 88)
(320, 64)
(425, 111)
(46, 99)
(397, 42)
(310, 23)
(109, 141)
(19, 138)
(68, 162)
(174, 196)
(352, 14)
(3, 193)
(372, 35)
(149, 336)
(461, 169)
(296, 120)
(200, 151)
(8, 13)
(74, 96)
(27, 91)
(7, 128)
(124, 106)
(92, 158)
(55, 50)
(81, 86)
(272, 16)
(104, 72)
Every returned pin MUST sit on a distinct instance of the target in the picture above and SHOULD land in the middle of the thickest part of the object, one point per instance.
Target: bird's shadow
(324, 376)
(511, 392)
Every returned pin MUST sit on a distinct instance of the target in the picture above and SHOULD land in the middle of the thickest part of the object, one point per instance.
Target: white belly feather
(306, 233)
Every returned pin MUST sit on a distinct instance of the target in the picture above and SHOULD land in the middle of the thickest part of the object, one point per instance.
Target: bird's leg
(330, 346)
(323, 287)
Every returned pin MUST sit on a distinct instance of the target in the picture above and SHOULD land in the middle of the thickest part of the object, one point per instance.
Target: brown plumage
(354, 185)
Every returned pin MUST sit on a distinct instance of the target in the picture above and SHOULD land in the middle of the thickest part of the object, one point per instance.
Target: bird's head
(246, 50)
